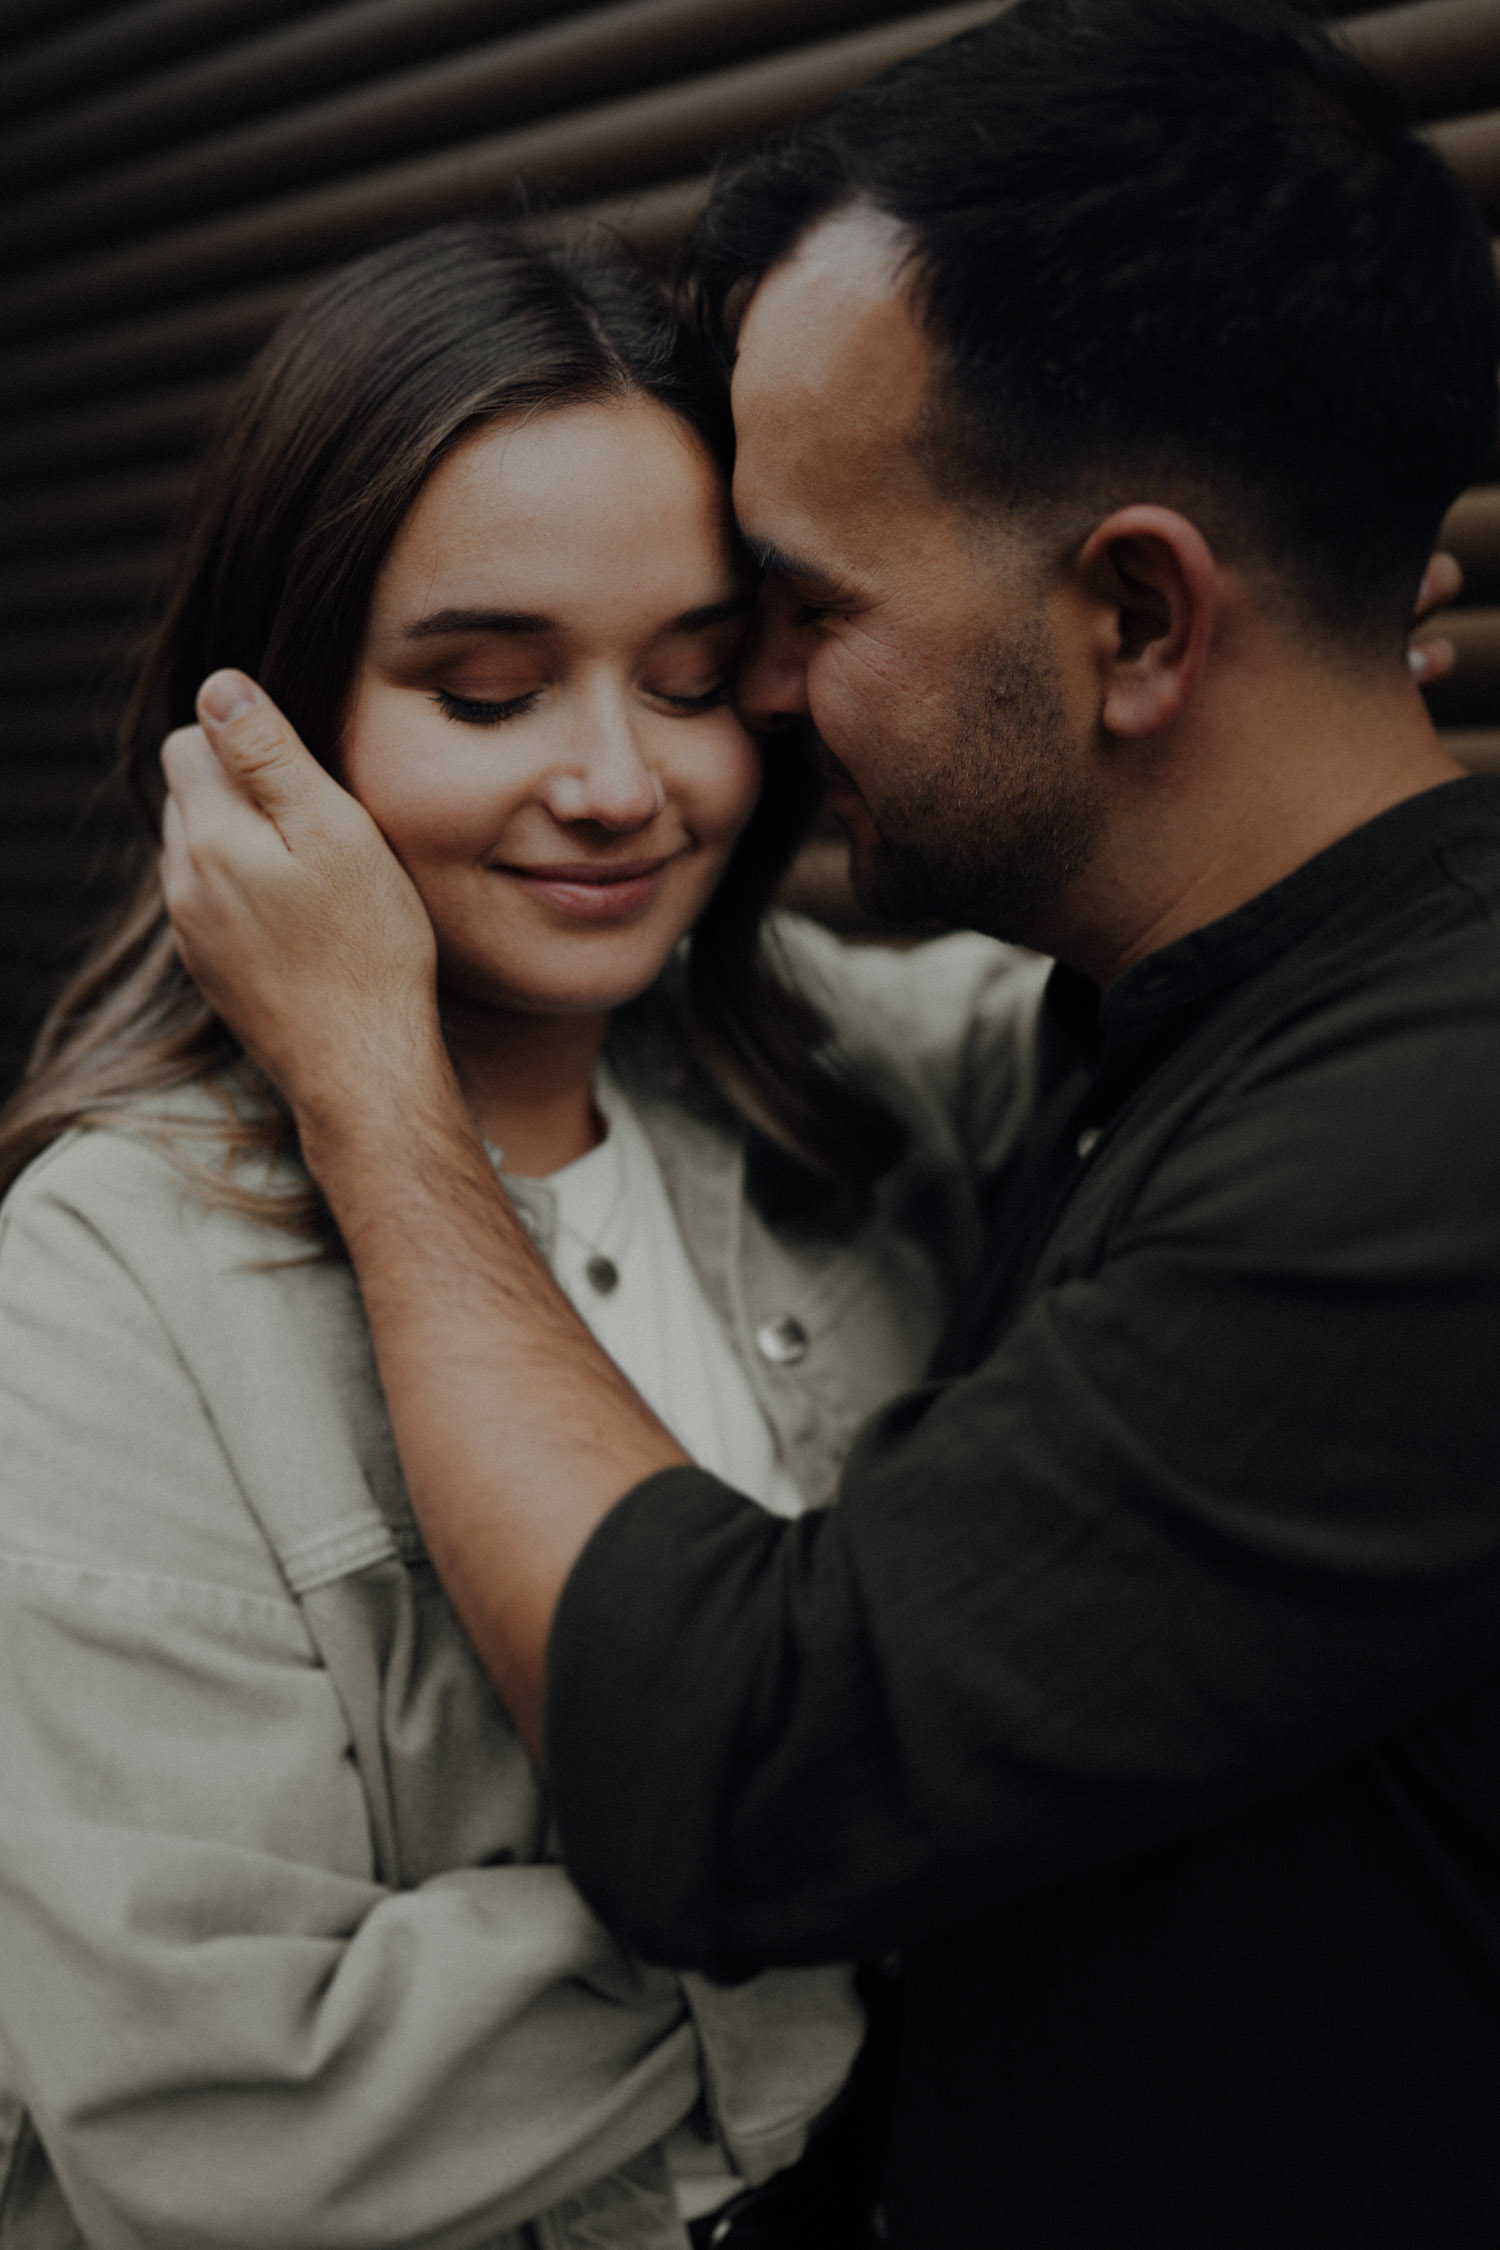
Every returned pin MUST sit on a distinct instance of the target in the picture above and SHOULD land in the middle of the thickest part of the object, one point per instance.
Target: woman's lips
(592, 893)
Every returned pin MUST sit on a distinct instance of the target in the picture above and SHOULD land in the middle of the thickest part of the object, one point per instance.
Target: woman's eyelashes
(707, 700)
(475, 711)
(470, 712)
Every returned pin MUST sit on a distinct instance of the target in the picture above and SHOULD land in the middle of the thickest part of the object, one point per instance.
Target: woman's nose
(607, 780)
(771, 690)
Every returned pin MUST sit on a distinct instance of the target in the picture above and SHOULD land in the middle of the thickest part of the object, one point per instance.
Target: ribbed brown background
(174, 171)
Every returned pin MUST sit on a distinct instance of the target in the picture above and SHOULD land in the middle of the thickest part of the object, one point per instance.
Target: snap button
(1088, 1140)
(603, 1274)
(783, 1341)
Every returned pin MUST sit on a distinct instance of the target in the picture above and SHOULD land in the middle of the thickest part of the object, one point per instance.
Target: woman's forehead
(610, 508)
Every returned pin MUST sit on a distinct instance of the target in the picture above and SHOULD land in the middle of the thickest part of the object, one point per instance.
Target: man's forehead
(843, 294)
(834, 364)
(857, 251)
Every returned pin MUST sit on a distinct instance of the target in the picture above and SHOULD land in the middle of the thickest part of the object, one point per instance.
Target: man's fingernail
(1418, 659)
(226, 695)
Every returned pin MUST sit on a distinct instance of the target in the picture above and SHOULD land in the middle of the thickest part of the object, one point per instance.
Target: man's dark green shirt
(1144, 1685)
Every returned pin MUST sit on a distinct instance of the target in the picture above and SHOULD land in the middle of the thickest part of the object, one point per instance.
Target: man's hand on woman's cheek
(293, 916)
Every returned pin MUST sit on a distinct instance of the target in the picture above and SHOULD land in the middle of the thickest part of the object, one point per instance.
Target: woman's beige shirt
(286, 1955)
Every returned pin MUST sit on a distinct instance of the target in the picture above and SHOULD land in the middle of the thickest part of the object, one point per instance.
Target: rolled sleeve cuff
(656, 1662)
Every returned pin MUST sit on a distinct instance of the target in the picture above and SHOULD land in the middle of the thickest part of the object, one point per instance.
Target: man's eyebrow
(777, 563)
(478, 621)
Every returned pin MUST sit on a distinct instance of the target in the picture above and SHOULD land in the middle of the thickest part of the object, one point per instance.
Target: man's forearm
(516, 1432)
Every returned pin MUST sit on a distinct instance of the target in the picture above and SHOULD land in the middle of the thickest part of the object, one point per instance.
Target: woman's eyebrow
(513, 621)
(714, 613)
(478, 621)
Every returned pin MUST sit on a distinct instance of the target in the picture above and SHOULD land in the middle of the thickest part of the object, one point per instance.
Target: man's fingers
(173, 842)
(189, 763)
(195, 777)
(258, 749)
(1431, 660)
(176, 860)
(207, 819)
(1434, 657)
(1442, 581)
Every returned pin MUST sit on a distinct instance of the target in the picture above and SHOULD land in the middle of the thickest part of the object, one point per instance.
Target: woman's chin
(592, 992)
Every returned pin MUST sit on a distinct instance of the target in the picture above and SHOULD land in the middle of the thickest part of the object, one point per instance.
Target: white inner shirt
(656, 1323)
(658, 1326)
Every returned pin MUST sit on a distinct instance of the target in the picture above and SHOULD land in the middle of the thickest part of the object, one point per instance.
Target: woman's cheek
(439, 800)
(738, 777)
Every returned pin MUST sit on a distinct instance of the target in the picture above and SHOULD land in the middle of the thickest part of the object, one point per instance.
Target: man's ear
(1151, 574)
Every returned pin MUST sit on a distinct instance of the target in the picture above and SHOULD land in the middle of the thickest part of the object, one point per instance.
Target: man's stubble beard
(991, 818)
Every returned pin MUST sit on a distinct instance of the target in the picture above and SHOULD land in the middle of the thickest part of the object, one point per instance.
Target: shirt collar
(1332, 886)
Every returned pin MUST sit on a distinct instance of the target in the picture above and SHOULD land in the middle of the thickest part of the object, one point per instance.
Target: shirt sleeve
(1219, 1512)
(950, 1022)
(224, 2028)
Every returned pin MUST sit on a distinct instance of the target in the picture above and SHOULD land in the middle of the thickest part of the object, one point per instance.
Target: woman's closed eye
(476, 711)
(707, 699)
(472, 711)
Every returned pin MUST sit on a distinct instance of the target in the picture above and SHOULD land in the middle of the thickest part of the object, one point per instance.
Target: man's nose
(772, 684)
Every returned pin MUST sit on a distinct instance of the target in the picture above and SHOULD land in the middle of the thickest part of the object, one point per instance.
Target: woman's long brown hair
(320, 455)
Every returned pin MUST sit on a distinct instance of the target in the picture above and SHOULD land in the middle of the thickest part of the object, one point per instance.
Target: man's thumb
(254, 744)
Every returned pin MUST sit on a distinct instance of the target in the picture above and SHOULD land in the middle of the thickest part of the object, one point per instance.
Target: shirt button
(602, 1273)
(1088, 1139)
(782, 1341)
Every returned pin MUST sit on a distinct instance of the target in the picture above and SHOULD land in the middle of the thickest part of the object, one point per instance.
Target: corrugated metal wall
(175, 170)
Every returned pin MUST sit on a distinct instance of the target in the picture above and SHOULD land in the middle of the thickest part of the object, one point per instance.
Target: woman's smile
(601, 892)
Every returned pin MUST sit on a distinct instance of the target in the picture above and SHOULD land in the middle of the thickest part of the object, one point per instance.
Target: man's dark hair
(1190, 240)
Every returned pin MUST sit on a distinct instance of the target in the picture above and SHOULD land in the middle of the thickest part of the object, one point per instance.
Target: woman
(288, 1959)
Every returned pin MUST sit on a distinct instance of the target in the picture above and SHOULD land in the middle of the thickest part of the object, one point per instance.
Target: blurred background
(176, 171)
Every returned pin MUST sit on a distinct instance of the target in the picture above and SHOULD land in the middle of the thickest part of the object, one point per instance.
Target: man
(1101, 380)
